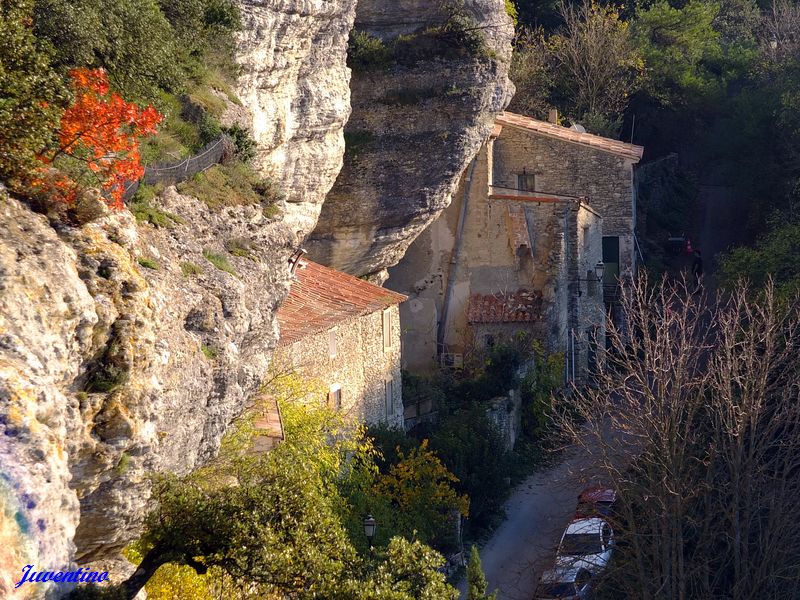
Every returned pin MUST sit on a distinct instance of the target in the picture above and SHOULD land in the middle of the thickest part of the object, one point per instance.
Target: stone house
(519, 246)
(344, 332)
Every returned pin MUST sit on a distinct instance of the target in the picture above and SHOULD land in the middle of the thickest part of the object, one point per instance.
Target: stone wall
(562, 242)
(361, 366)
(567, 168)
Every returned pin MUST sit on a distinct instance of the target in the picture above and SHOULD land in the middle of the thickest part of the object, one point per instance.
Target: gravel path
(537, 513)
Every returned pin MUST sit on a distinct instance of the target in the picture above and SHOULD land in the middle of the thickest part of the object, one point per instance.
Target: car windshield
(578, 544)
(555, 590)
(604, 508)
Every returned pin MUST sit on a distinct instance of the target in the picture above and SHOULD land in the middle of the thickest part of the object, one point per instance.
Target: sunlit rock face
(115, 363)
(295, 82)
(124, 350)
(415, 126)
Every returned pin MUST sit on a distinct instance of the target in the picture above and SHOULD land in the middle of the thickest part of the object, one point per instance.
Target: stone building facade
(344, 333)
(518, 247)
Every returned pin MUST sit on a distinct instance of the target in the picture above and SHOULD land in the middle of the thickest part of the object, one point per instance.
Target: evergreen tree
(476, 580)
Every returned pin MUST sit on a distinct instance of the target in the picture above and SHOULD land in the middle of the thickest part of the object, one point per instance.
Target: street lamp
(370, 524)
(599, 271)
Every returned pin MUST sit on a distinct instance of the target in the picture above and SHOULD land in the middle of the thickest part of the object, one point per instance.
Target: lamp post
(599, 271)
(370, 524)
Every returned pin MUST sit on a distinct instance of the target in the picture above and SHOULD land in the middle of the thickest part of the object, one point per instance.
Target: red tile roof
(570, 135)
(321, 297)
(516, 307)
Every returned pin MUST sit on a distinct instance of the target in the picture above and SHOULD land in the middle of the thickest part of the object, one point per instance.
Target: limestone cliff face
(413, 130)
(294, 80)
(110, 370)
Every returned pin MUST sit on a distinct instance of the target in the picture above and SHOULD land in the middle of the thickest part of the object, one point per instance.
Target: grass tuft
(232, 184)
(220, 261)
(144, 211)
(189, 269)
(149, 263)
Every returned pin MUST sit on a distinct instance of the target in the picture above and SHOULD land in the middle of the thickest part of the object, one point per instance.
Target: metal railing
(172, 173)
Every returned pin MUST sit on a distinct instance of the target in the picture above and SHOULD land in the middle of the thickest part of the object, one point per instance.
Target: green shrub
(148, 263)
(189, 269)
(220, 261)
(31, 96)
(231, 184)
(208, 128)
(511, 11)
(131, 40)
(245, 145)
(209, 352)
(365, 51)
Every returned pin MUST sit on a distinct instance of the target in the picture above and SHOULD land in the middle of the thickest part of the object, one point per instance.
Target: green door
(610, 259)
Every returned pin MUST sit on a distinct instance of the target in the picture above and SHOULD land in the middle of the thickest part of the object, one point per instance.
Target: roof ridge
(570, 135)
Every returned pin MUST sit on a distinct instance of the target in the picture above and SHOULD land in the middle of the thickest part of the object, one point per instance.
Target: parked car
(564, 584)
(586, 544)
(595, 501)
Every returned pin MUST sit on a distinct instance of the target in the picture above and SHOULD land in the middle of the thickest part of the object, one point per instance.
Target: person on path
(697, 269)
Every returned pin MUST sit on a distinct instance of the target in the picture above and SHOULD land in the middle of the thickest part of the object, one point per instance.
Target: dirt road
(537, 513)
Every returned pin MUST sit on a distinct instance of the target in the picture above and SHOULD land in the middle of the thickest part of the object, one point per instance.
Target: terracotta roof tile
(570, 135)
(321, 297)
(516, 307)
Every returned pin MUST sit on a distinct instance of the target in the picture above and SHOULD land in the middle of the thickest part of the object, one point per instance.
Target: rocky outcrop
(417, 122)
(294, 80)
(125, 350)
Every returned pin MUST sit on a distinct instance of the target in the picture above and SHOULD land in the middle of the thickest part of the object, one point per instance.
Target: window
(526, 182)
(389, 398)
(387, 329)
(332, 343)
(335, 396)
(610, 259)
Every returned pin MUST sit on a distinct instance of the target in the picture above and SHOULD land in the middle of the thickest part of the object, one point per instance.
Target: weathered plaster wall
(567, 168)
(361, 366)
(565, 240)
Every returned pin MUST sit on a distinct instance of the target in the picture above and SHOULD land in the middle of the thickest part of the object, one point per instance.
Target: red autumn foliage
(101, 131)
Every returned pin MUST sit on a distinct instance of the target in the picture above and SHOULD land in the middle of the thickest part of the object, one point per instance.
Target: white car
(564, 584)
(586, 544)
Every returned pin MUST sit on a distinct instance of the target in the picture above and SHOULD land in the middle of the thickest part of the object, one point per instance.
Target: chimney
(552, 116)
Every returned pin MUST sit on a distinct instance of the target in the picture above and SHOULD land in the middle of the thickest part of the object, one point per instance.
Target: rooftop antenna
(633, 126)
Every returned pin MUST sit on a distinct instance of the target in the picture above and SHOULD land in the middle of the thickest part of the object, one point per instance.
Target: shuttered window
(332, 343)
(335, 396)
(387, 329)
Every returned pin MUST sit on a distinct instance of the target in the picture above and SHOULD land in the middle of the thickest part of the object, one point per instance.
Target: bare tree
(780, 32)
(696, 422)
(597, 65)
(531, 72)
